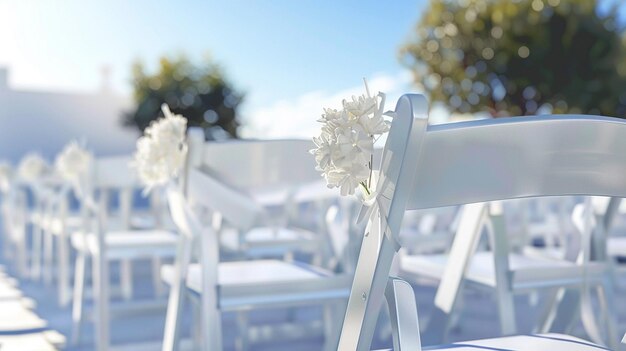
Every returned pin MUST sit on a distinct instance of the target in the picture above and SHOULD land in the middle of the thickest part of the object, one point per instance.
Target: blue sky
(278, 52)
(271, 49)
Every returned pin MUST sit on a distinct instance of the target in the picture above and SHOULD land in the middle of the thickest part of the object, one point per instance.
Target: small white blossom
(360, 106)
(73, 162)
(6, 175)
(171, 128)
(31, 167)
(344, 148)
(162, 150)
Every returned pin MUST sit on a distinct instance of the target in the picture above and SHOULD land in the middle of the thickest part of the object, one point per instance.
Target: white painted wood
(463, 248)
(98, 241)
(508, 158)
(78, 296)
(239, 286)
(377, 249)
(504, 294)
(404, 322)
(475, 162)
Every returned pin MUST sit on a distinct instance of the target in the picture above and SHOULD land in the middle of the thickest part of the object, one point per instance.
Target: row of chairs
(232, 234)
(253, 226)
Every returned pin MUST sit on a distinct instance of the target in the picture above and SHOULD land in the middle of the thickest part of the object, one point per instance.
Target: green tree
(520, 57)
(201, 93)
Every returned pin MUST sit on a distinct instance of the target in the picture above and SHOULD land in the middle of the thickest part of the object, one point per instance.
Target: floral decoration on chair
(31, 167)
(345, 147)
(73, 163)
(161, 151)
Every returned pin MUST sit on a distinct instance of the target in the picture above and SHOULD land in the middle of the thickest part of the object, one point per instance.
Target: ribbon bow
(378, 202)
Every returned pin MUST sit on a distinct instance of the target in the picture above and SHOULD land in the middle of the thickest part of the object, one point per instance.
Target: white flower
(31, 167)
(368, 113)
(362, 105)
(73, 161)
(6, 175)
(347, 179)
(343, 150)
(162, 150)
(171, 128)
(322, 152)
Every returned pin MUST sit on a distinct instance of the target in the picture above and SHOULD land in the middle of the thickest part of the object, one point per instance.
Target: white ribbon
(378, 202)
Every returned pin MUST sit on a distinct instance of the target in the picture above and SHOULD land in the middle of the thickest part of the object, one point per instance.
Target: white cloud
(297, 118)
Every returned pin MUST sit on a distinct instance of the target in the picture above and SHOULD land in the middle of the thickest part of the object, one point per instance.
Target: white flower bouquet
(345, 147)
(31, 167)
(73, 161)
(161, 150)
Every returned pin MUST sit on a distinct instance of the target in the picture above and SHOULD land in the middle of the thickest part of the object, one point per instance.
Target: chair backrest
(471, 162)
(241, 170)
(249, 164)
(510, 158)
(110, 175)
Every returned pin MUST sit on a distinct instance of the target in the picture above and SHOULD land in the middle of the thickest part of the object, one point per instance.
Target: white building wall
(45, 121)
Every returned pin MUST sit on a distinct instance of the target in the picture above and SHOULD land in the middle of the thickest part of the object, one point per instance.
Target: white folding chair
(472, 163)
(239, 285)
(257, 169)
(103, 244)
(503, 272)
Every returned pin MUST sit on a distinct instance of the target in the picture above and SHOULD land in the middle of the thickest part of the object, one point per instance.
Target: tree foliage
(520, 57)
(201, 93)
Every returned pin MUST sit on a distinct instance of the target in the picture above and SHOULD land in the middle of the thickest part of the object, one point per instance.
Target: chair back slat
(510, 158)
(266, 164)
(238, 209)
(114, 172)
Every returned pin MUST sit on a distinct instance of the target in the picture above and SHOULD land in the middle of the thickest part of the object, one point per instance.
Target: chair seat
(267, 282)
(129, 243)
(75, 222)
(542, 342)
(616, 246)
(527, 272)
(266, 241)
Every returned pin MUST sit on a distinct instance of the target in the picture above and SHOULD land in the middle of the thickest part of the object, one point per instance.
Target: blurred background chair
(220, 286)
(101, 244)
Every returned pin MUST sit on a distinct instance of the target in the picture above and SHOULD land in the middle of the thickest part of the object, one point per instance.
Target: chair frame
(486, 160)
(227, 204)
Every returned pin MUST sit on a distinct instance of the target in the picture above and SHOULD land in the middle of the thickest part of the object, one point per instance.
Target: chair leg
(547, 313)
(22, 256)
(197, 326)
(126, 279)
(101, 301)
(403, 315)
(48, 260)
(564, 313)
(606, 299)
(35, 268)
(78, 297)
(506, 310)
(171, 335)
(333, 313)
(157, 283)
(243, 341)
(63, 281)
